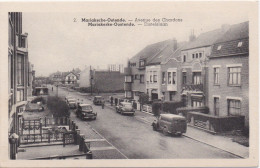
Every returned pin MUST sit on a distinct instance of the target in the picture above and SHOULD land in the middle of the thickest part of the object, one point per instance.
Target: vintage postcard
(129, 84)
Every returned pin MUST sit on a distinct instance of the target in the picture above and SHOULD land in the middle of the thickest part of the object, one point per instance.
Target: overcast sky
(57, 43)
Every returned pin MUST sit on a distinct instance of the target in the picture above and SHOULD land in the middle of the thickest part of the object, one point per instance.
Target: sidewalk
(216, 141)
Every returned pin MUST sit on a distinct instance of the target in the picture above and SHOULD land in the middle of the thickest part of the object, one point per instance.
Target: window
(234, 75)
(200, 55)
(197, 55)
(196, 103)
(20, 69)
(163, 78)
(184, 58)
(234, 107)
(141, 78)
(216, 75)
(128, 78)
(136, 77)
(173, 78)
(184, 78)
(219, 47)
(169, 78)
(154, 77)
(216, 106)
(240, 44)
(193, 56)
(196, 78)
(171, 95)
(141, 63)
(151, 76)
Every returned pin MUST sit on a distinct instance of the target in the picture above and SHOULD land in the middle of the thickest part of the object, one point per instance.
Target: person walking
(52, 88)
(111, 100)
(103, 103)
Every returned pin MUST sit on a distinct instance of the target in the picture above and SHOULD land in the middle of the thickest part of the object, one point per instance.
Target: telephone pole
(91, 77)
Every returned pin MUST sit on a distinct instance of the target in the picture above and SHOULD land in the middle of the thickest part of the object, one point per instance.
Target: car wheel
(165, 131)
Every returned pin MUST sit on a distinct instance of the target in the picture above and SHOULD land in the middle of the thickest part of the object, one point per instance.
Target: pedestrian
(111, 100)
(103, 103)
(52, 88)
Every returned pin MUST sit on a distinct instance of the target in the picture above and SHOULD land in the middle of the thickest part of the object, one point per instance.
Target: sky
(56, 43)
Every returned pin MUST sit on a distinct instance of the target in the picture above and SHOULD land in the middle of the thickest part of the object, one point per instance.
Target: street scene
(97, 86)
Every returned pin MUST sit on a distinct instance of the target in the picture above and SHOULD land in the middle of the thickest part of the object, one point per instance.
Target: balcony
(171, 87)
(128, 71)
(194, 87)
(127, 86)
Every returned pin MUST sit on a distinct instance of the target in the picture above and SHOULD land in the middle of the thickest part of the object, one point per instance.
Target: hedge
(58, 107)
(170, 107)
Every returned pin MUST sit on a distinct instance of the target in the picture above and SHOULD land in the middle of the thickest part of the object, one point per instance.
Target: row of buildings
(209, 70)
(20, 77)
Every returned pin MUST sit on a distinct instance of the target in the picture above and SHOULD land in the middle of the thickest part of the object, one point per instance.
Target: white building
(116, 67)
(84, 79)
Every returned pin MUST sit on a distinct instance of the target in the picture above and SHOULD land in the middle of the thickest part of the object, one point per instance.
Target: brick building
(229, 73)
(194, 67)
(135, 74)
(18, 77)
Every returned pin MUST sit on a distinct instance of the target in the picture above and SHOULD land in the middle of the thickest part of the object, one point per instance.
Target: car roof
(172, 116)
(85, 105)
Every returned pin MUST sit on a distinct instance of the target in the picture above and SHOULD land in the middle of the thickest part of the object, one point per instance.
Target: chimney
(174, 44)
(192, 36)
(225, 27)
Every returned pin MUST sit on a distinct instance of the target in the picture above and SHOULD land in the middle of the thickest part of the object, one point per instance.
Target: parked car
(170, 124)
(68, 97)
(125, 108)
(98, 100)
(72, 103)
(85, 111)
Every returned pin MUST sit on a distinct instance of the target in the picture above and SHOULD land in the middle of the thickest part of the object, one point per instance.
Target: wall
(106, 81)
(84, 80)
(223, 90)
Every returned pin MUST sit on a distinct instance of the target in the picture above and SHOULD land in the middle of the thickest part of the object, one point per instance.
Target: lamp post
(57, 91)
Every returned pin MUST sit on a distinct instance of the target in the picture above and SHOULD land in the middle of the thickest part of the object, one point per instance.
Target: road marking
(109, 143)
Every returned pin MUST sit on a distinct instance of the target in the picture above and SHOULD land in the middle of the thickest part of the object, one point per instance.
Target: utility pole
(91, 77)
(57, 90)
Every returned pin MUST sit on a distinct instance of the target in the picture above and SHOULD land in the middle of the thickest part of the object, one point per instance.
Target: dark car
(72, 103)
(125, 108)
(170, 124)
(98, 100)
(85, 111)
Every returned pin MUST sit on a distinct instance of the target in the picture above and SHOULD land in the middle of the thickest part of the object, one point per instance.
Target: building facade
(18, 77)
(194, 69)
(116, 68)
(70, 78)
(229, 74)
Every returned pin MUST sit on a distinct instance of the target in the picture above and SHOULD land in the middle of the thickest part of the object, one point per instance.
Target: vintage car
(170, 124)
(98, 100)
(72, 103)
(68, 97)
(85, 111)
(125, 108)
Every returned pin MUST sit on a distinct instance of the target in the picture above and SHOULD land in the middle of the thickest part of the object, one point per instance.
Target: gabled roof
(205, 39)
(229, 43)
(149, 51)
(235, 32)
(167, 52)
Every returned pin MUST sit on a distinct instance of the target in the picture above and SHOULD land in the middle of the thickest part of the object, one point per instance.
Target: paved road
(135, 138)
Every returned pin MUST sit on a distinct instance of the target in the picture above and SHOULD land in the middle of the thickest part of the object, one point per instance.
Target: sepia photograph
(135, 85)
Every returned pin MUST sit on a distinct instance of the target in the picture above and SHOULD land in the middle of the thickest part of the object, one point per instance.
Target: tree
(143, 99)
(58, 107)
